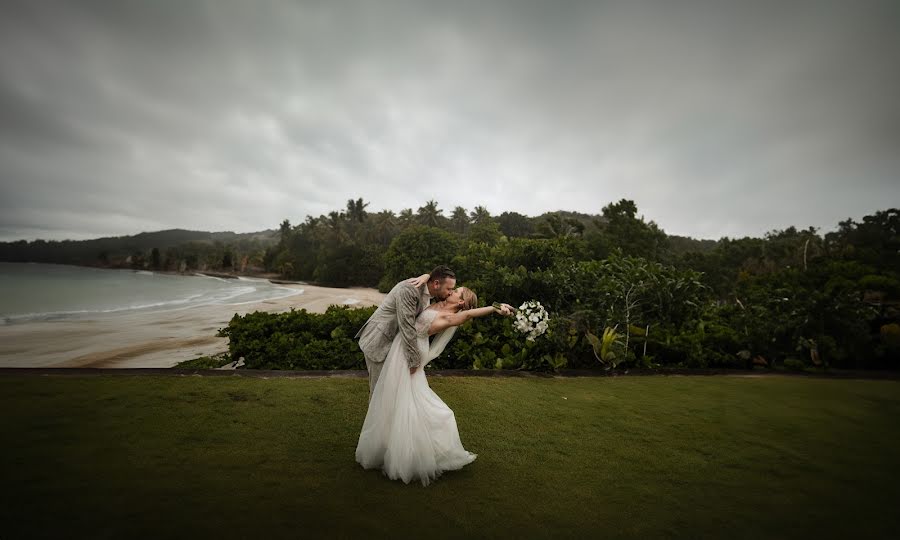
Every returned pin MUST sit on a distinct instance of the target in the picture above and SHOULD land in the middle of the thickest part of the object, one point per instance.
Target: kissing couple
(409, 432)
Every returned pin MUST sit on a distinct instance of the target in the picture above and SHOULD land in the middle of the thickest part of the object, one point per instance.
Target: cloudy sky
(717, 118)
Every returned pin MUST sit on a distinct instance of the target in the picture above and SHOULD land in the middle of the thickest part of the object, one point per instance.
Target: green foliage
(485, 232)
(343, 264)
(206, 362)
(298, 339)
(705, 343)
(875, 241)
(729, 303)
(514, 224)
(416, 250)
(608, 349)
(825, 303)
(794, 364)
(303, 340)
(493, 343)
(621, 229)
(555, 225)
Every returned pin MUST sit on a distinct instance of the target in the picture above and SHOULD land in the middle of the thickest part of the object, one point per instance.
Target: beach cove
(152, 339)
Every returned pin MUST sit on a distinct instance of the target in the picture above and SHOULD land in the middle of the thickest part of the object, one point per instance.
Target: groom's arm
(407, 304)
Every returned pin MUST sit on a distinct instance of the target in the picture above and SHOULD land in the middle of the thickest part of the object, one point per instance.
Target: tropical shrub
(298, 339)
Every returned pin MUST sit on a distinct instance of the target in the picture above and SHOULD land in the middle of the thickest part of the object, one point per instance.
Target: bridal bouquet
(531, 319)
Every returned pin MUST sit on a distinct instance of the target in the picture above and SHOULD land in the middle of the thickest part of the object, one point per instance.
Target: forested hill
(157, 250)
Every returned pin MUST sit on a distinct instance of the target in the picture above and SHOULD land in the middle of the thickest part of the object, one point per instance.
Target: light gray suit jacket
(397, 313)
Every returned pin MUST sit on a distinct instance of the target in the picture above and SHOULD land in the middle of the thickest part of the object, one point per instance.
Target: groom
(397, 313)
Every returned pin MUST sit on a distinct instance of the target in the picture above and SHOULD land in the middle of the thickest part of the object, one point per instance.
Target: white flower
(531, 319)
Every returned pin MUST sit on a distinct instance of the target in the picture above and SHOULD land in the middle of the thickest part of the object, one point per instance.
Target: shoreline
(159, 339)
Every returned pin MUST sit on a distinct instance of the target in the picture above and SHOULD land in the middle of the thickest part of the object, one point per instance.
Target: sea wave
(56, 315)
(194, 300)
(198, 274)
(290, 292)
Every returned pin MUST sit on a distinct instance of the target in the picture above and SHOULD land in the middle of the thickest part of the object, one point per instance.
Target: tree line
(621, 291)
(174, 250)
(357, 247)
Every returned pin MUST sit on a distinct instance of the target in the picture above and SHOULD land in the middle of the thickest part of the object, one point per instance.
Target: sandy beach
(151, 339)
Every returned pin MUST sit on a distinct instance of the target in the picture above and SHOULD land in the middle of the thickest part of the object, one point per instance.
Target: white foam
(291, 292)
(211, 277)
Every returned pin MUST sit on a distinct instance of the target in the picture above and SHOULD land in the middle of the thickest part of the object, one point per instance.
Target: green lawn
(641, 457)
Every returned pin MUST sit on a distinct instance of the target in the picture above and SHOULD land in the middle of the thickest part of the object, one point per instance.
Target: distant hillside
(174, 237)
(110, 250)
(685, 244)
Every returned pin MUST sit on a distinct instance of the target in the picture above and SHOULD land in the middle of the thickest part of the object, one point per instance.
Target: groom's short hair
(441, 272)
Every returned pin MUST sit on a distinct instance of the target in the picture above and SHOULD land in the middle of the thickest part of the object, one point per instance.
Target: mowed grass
(642, 457)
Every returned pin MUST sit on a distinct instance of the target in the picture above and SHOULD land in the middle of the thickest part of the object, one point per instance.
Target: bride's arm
(419, 281)
(443, 322)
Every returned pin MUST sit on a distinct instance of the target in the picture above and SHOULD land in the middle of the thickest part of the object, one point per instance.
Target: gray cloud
(717, 118)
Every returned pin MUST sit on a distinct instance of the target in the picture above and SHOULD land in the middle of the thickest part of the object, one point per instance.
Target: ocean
(31, 291)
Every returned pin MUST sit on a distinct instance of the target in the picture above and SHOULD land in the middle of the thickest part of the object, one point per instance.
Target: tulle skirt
(409, 432)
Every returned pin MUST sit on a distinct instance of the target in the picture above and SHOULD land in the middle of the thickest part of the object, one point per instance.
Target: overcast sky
(717, 118)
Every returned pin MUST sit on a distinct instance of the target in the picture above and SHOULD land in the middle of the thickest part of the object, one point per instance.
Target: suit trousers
(374, 372)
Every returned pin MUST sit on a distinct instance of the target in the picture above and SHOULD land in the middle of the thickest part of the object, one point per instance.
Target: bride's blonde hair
(469, 298)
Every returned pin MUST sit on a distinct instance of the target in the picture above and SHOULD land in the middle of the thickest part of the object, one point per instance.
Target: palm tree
(555, 226)
(312, 227)
(430, 214)
(480, 215)
(356, 210)
(284, 230)
(311, 223)
(459, 220)
(406, 217)
(384, 227)
(335, 225)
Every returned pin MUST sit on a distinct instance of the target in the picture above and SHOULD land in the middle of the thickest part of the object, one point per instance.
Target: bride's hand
(419, 281)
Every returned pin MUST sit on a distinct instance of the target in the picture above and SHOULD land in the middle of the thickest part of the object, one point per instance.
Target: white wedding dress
(409, 432)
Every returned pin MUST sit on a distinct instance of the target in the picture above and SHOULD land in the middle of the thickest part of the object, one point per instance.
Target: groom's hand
(412, 370)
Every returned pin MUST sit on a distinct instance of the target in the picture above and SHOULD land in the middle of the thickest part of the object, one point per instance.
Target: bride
(409, 432)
